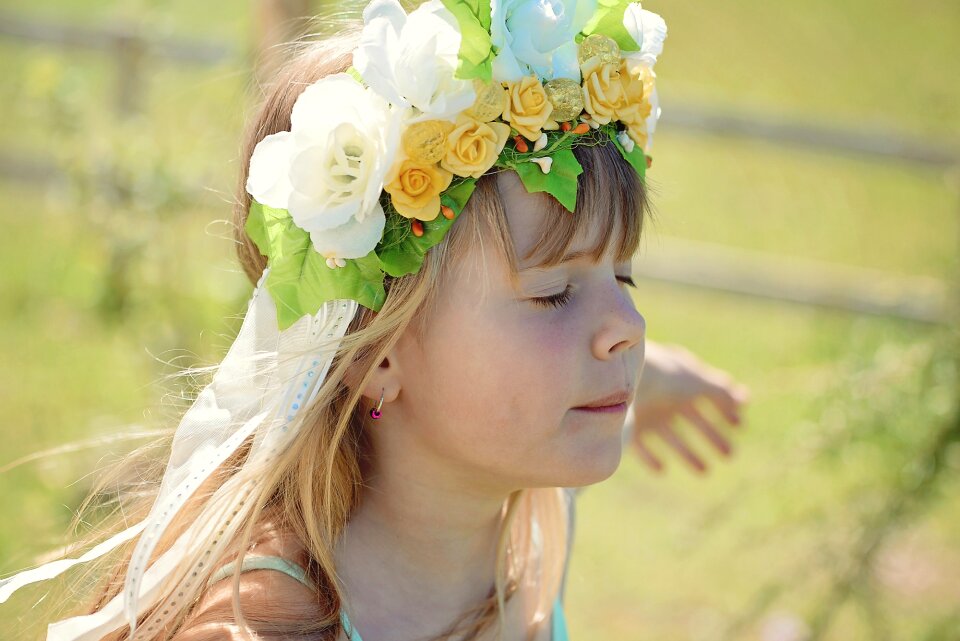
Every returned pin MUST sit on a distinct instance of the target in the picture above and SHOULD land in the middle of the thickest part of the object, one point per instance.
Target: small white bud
(545, 163)
(341, 262)
(590, 121)
(626, 141)
(541, 142)
(332, 262)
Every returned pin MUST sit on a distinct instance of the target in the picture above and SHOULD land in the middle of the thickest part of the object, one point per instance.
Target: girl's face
(493, 388)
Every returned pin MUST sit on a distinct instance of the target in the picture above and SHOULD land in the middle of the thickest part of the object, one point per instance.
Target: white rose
(328, 170)
(648, 30)
(536, 37)
(411, 60)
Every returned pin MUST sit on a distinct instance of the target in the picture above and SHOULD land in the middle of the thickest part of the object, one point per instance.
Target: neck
(420, 549)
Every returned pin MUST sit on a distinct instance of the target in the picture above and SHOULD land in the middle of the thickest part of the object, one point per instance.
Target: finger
(647, 456)
(693, 415)
(670, 436)
(741, 393)
(726, 407)
(728, 401)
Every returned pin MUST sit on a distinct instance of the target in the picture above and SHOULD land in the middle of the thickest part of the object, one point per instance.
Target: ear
(385, 379)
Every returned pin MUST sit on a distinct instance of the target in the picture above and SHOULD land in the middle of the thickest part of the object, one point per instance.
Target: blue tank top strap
(348, 628)
(558, 620)
(251, 563)
(558, 625)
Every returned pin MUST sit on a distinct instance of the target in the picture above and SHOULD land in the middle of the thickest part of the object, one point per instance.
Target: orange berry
(521, 144)
(417, 227)
(582, 128)
(649, 161)
(565, 126)
(447, 212)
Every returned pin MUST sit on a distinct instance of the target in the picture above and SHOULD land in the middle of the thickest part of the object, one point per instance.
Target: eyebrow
(572, 256)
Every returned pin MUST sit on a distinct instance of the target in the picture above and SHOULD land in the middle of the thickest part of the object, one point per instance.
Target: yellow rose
(473, 146)
(415, 189)
(528, 109)
(637, 88)
(603, 94)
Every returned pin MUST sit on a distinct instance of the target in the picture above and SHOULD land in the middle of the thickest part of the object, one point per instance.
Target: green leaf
(636, 157)
(256, 226)
(304, 283)
(300, 281)
(401, 251)
(561, 182)
(266, 225)
(607, 20)
(476, 49)
(457, 195)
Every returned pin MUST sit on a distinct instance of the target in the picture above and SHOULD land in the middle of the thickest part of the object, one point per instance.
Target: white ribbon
(55, 568)
(263, 383)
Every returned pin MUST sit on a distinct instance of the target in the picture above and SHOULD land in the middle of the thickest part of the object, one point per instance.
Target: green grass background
(843, 405)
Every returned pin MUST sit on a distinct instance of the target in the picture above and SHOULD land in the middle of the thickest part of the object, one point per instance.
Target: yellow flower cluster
(613, 89)
(434, 151)
(437, 150)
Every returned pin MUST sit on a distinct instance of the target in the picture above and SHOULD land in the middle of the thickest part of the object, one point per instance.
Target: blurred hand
(672, 381)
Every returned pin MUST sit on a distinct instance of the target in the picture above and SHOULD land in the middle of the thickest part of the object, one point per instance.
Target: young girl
(439, 212)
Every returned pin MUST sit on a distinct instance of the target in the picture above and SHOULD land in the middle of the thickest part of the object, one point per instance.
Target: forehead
(530, 214)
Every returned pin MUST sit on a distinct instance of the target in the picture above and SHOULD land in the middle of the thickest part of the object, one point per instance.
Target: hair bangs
(610, 196)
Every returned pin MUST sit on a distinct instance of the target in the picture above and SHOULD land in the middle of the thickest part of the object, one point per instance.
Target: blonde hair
(315, 484)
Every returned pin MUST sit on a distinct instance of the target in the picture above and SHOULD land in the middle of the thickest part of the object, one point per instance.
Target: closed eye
(561, 299)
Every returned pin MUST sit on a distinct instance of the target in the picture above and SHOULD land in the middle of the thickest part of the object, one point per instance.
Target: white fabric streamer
(55, 568)
(267, 377)
(92, 627)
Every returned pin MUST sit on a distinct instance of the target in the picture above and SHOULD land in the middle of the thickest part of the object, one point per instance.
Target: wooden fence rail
(112, 38)
(881, 145)
(796, 280)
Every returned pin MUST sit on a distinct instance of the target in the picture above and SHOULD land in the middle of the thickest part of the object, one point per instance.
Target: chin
(591, 464)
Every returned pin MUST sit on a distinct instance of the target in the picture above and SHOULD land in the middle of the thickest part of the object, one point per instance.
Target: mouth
(604, 409)
(610, 404)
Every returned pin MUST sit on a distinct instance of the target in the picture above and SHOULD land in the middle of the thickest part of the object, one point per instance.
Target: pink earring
(376, 413)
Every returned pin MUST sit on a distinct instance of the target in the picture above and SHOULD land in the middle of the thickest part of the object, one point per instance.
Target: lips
(616, 398)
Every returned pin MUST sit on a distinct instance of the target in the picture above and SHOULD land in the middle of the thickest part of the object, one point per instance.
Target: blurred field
(834, 515)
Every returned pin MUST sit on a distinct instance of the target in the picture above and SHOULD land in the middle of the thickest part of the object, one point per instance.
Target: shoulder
(266, 596)
(211, 632)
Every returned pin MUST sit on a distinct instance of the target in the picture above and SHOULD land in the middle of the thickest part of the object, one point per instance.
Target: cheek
(499, 400)
(510, 389)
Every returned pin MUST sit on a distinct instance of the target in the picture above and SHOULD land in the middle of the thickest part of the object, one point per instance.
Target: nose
(621, 327)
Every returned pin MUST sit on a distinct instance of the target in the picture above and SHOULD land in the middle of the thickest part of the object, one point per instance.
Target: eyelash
(561, 299)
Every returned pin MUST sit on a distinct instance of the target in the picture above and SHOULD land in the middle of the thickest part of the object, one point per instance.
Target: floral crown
(380, 160)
